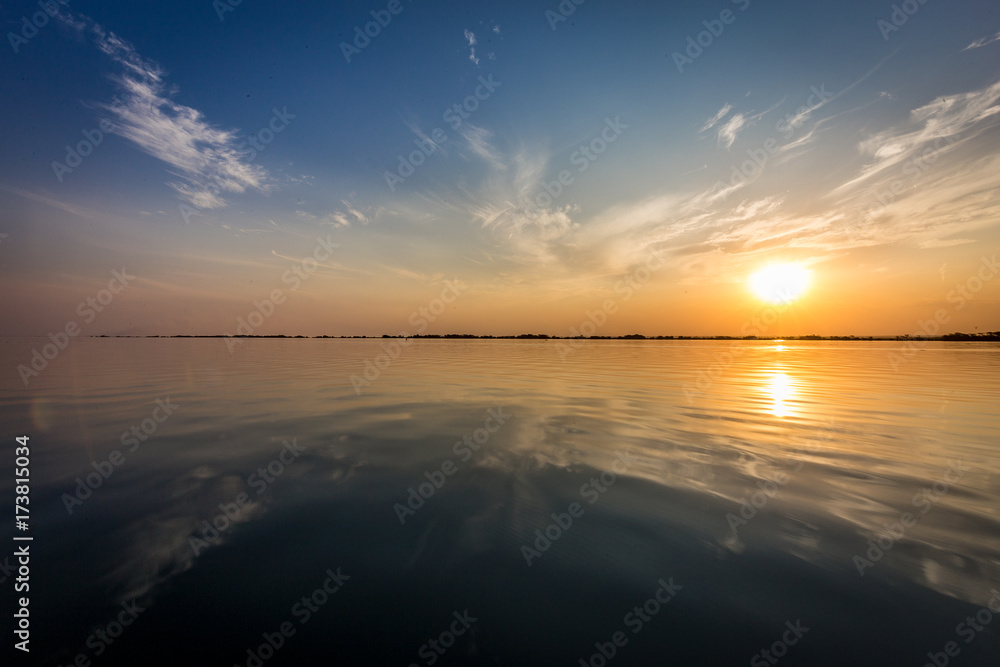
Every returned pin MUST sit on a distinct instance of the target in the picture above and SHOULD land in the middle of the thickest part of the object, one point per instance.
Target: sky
(487, 167)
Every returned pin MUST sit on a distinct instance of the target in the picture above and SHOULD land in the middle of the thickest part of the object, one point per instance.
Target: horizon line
(953, 336)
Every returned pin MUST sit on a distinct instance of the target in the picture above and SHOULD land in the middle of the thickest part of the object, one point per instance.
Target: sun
(780, 283)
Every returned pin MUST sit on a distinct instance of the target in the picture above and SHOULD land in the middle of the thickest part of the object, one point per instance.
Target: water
(657, 442)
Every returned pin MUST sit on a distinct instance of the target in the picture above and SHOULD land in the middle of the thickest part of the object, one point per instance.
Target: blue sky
(838, 108)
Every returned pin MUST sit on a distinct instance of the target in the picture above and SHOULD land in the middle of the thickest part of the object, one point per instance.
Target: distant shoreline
(951, 337)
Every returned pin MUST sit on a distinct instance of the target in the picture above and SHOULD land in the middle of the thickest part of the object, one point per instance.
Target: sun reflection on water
(781, 388)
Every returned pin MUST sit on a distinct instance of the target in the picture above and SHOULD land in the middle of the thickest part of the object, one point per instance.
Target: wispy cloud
(349, 216)
(471, 38)
(983, 41)
(936, 126)
(209, 160)
(711, 122)
(805, 113)
(49, 201)
(527, 231)
(695, 170)
(715, 232)
(956, 196)
(478, 141)
(731, 130)
(414, 126)
(944, 243)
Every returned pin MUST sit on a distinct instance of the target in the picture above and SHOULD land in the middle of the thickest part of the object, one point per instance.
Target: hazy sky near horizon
(209, 150)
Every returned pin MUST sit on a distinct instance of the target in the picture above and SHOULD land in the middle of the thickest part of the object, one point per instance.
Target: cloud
(944, 243)
(695, 170)
(49, 201)
(351, 215)
(478, 140)
(936, 126)
(729, 132)
(983, 41)
(347, 218)
(804, 140)
(471, 38)
(527, 231)
(955, 196)
(803, 114)
(711, 122)
(712, 233)
(425, 139)
(210, 161)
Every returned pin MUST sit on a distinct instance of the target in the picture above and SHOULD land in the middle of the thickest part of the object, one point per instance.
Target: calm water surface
(800, 484)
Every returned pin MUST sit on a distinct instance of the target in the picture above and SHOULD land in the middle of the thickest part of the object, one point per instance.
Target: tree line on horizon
(956, 336)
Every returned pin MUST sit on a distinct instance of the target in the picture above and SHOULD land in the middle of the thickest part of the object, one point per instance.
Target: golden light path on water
(781, 389)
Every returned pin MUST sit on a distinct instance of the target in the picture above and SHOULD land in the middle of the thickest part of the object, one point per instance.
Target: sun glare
(780, 283)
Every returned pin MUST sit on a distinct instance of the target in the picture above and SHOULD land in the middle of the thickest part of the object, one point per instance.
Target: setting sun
(780, 283)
